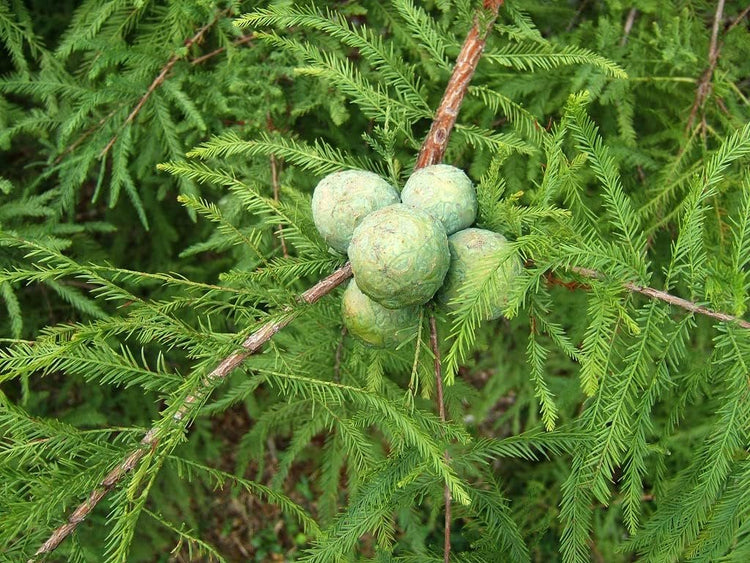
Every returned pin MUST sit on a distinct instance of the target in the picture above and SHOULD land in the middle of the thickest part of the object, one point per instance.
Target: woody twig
(197, 38)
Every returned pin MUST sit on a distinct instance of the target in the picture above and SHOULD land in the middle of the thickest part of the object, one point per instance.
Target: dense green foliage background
(142, 143)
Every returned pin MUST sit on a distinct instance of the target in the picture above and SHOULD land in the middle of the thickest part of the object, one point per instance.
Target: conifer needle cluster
(173, 359)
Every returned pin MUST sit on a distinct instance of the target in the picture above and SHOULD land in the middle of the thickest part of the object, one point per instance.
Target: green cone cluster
(400, 251)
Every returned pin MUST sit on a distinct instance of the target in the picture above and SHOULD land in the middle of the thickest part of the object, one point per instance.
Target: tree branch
(240, 41)
(704, 86)
(432, 151)
(438, 367)
(433, 148)
(738, 19)
(628, 26)
(251, 345)
(441, 411)
(659, 295)
(275, 186)
(86, 134)
(337, 356)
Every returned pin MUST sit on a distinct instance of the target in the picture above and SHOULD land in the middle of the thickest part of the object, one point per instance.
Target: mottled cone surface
(374, 324)
(399, 256)
(342, 199)
(444, 191)
(472, 252)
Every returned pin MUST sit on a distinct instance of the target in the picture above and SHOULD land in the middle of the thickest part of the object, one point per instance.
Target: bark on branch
(433, 148)
(432, 152)
(714, 50)
(250, 346)
(435, 346)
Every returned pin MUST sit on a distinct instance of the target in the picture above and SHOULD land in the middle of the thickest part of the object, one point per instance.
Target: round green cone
(444, 191)
(342, 199)
(399, 256)
(471, 249)
(374, 324)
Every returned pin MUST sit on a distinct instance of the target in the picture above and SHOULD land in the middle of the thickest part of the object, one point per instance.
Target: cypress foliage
(155, 214)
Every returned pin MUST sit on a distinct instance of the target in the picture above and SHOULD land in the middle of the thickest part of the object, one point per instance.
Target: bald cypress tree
(162, 277)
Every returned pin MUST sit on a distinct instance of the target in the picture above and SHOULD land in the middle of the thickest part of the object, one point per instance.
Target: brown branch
(438, 367)
(574, 20)
(240, 41)
(713, 50)
(659, 295)
(432, 151)
(738, 19)
(86, 134)
(337, 356)
(704, 86)
(433, 148)
(685, 304)
(275, 185)
(106, 485)
(628, 26)
(160, 79)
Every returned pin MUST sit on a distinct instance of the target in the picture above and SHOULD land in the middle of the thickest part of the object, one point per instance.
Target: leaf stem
(441, 411)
